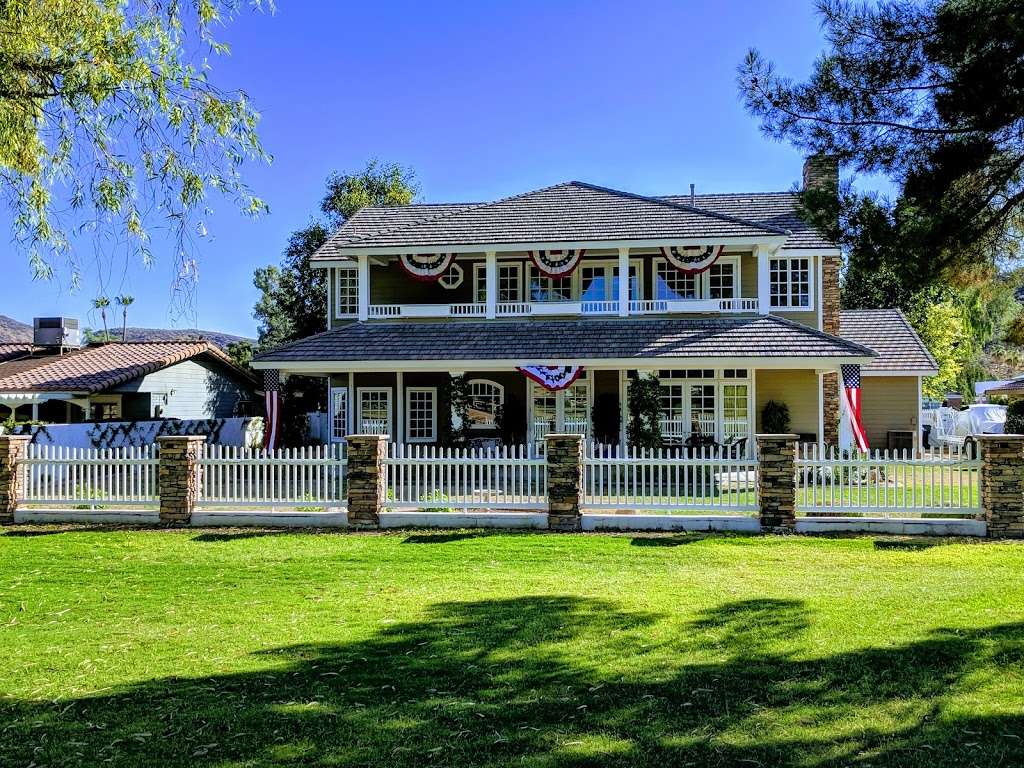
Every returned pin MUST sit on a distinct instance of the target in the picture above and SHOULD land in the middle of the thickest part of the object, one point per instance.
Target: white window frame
(501, 400)
(480, 282)
(390, 406)
(702, 282)
(788, 296)
(432, 437)
(351, 274)
(334, 412)
(719, 381)
(452, 278)
(610, 267)
(532, 272)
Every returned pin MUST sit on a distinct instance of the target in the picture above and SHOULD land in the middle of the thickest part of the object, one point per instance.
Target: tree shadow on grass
(913, 545)
(447, 537)
(210, 537)
(555, 682)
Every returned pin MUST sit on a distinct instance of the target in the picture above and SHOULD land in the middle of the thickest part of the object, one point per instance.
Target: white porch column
(35, 411)
(764, 286)
(491, 284)
(399, 436)
(364, 286)
(623, 282)
(350, 406)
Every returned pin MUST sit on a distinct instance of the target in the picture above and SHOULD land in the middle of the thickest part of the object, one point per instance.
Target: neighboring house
(761, 323)
(891, 383)
(1011, 390)
(125, 382)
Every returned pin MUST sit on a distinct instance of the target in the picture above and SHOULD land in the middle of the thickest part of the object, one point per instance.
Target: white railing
(88, 478)
(304, 477)
(378, 311)
(661, 479)
(427, 477)
(943, 482)
(556, 308)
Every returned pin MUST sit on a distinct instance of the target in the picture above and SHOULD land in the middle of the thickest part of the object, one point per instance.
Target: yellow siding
(798, 390)
(888, 403)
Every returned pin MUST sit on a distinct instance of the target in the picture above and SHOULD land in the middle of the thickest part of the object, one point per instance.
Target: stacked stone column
(830, 324)
(179, 477)
(776, 481)
(1002, 484)
(366, 478)
(565, 480)
(12, 448)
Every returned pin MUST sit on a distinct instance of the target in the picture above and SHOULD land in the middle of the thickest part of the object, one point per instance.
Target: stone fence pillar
(12, 448)
(1002, 484)
(366, 479)
(776, 481)
(179, 477)
(565, 480)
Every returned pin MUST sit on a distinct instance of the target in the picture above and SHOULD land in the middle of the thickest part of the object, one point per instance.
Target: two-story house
(731, 300)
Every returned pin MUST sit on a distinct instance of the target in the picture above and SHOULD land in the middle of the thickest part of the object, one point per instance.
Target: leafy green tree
(931, 95)
(107, 116)
(124, 302)
(241, 352)
(101, 303)
(643, 427)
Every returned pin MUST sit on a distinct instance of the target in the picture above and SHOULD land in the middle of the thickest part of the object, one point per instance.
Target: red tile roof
(99, 367)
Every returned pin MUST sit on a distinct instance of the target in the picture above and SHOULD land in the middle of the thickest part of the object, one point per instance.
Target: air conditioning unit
(56, 332)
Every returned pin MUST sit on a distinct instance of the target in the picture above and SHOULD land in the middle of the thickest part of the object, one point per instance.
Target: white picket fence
(428, 477)
(668, 479)
(89, 478)
(305, 477)
(944, 481)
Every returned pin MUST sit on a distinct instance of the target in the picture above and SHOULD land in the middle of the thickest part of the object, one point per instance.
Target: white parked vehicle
(960, 428)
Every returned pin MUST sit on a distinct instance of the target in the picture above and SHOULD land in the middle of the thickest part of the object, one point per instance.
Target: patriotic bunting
(426, 266)
(553, 377)
(557, 263)
(272, 397)
(851, 396)
(692, 260)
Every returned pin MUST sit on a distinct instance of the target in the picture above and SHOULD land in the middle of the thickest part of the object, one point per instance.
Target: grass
(257, 648)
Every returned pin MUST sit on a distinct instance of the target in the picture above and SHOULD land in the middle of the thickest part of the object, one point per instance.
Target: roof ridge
(735, 194)
(445, 214)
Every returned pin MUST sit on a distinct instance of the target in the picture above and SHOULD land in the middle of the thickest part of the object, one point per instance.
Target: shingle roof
(1014, 386)
(12, 351)
(95, 368)
(546, 340)
(775, 209)
(889, 333)
(569, 212)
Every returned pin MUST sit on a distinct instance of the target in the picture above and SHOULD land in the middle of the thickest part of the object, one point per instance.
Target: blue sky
(482, 99)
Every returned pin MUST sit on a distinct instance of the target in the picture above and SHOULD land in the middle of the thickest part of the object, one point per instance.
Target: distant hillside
(13, 331)
(222, 340)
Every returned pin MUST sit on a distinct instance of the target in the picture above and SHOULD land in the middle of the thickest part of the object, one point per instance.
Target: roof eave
(772, 241)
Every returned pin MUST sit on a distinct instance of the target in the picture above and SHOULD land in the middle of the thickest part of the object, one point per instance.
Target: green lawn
(253, 648)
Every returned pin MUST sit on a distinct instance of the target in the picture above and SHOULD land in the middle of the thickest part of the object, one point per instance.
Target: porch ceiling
(659, 341)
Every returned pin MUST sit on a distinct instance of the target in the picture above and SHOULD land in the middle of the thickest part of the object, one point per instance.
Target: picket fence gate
(88, 478)
(430, 477)
(943, 481)
(308, 476)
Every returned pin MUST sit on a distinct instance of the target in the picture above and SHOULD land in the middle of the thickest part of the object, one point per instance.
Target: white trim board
(646, 363)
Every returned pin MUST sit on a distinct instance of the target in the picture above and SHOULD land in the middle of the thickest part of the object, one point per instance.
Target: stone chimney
(821, 171)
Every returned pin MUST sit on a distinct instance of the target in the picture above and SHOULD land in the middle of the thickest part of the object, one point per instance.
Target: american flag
(851, 391)
(272, 396)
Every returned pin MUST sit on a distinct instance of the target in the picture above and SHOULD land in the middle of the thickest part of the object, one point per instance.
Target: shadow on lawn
(505, 682)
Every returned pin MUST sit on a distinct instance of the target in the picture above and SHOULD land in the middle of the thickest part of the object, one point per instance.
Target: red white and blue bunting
(553, 377)
(692, 260)
(426, 266)
(557, 263)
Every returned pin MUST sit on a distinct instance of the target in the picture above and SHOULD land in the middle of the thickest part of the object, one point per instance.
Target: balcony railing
(563, 308)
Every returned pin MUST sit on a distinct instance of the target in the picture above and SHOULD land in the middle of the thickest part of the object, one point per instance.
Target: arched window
(485, 397)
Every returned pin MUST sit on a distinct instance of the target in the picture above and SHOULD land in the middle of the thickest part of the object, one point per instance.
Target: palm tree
(125, 301)
(101, 303)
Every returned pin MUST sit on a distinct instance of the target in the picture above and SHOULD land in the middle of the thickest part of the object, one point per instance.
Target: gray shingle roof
(589, 338)
(889, 333)
(569, 212)
(775, 209)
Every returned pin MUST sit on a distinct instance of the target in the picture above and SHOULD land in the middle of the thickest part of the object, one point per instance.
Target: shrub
(775, 418)
(1015, 418)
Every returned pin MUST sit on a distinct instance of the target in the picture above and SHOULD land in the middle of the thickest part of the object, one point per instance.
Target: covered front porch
(705, 406)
